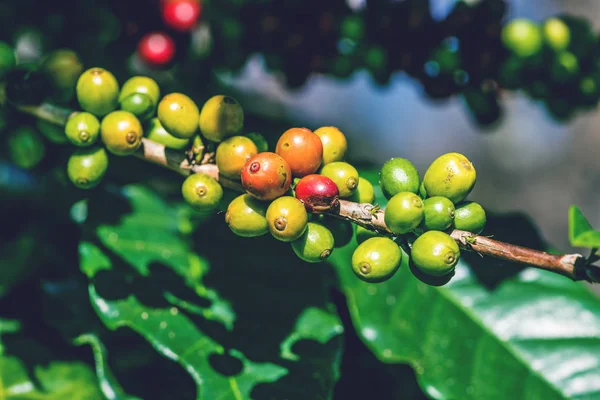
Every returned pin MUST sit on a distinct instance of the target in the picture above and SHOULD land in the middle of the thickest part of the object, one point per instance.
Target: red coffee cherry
(318, 193)
(266, 176)
(157, 48)
(181, 15)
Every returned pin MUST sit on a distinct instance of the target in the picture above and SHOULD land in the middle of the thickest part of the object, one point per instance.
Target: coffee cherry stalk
(303, 193)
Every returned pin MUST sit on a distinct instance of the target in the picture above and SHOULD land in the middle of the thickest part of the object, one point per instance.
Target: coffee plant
(160, 242)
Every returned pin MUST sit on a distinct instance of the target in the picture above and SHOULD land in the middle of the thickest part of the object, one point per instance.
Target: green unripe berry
(26, 147)
(259, 140)
(523, 37)
(404, 213)
(287, 218)
(344, 175)
(362, 234)
(221, 117)
(376, 260)
(158, 134)
(97, 91)
(470, 216)
(451, 175)
(341, 230)
(178, 114)
(246, 216)
(121, 133)
(202, 192)
(141, 84)
(83, 129)
(63, 67)
(86, 167)
(140, 105)
(364, 193)
(315, 245)
(438, 213)
(435, 253)
(52, 132)
(556, 34)
(7, 58)
(399, 175)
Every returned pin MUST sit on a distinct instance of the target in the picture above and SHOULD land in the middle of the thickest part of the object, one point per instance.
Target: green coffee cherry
(158, 134)
(438, 213)
(83, 129)
(52, 132)
(246, 216)
(376, 260)
(221, 117)
(178, 114)
(564, 67)
(143, 85)
(404, 212)
(7, 58)
(86, 167)
(315, 245)
(451, 175)
(26, 147)
(470, 216)
(121, 133)
(556, 34)
(364, 193)
(362, 234)
(63, 67)
(97, 91)
(523, 37)
(202, 192)
(140, 105)
(344, 175)
(287, 218)
(259, 140)
(435, 253)
(341, 230)
(399, 175)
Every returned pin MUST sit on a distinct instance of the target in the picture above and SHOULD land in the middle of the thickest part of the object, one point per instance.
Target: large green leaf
(535, 336)
(581, 233)
(233, 319)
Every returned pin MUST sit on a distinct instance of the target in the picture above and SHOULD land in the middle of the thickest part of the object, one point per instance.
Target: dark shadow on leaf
(226, 364)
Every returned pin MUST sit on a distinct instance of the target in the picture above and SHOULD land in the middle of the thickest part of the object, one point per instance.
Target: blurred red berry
(181, 15)
(157, 48)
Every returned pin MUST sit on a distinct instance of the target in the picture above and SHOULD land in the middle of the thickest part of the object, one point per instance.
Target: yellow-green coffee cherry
(140, 105)
(438, 213)
(97, 91)
(362, 234)
(178, 114)
(404, 212)
(344, 175)
(451, 175)
(435, 253)
(202, 192)
(334, 144)
(232, 154)
(221, 117)
(26, 147)
(158, 134)
(470, 216)
(121, 133)
(140, 84)
(83, 129)
(86, 167)
(376, 259)
(523, 37)
(399, 175)
(364, 193)
(287, 218)
(52, 132)
(259, 140)
(315, 245)
(556, 34)
(246, 216)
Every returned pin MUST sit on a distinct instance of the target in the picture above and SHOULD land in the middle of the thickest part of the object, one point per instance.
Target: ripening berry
(451, 175)
(86, 167)
(178, 114)
(97, 91)
(404, 213)
(315, 245)
(399, 175)
(334, 144)
(438, 213)
(246, 216)
(376, 259)
(287, 218)
(181, 15)
(83, 129)
(202, 192)
(556, 34)
(317, 192)
(221, 117)
(121, 133)
(302, 149)
(233, 154)
(523, 37)
(344, 175)
(470, 216)
(435, 253)
(141, 84)
(158, 134)
(364, 193)
(156, 49)
(266, 176)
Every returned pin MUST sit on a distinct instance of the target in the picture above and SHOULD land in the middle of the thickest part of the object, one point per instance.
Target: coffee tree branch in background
(369, 216)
